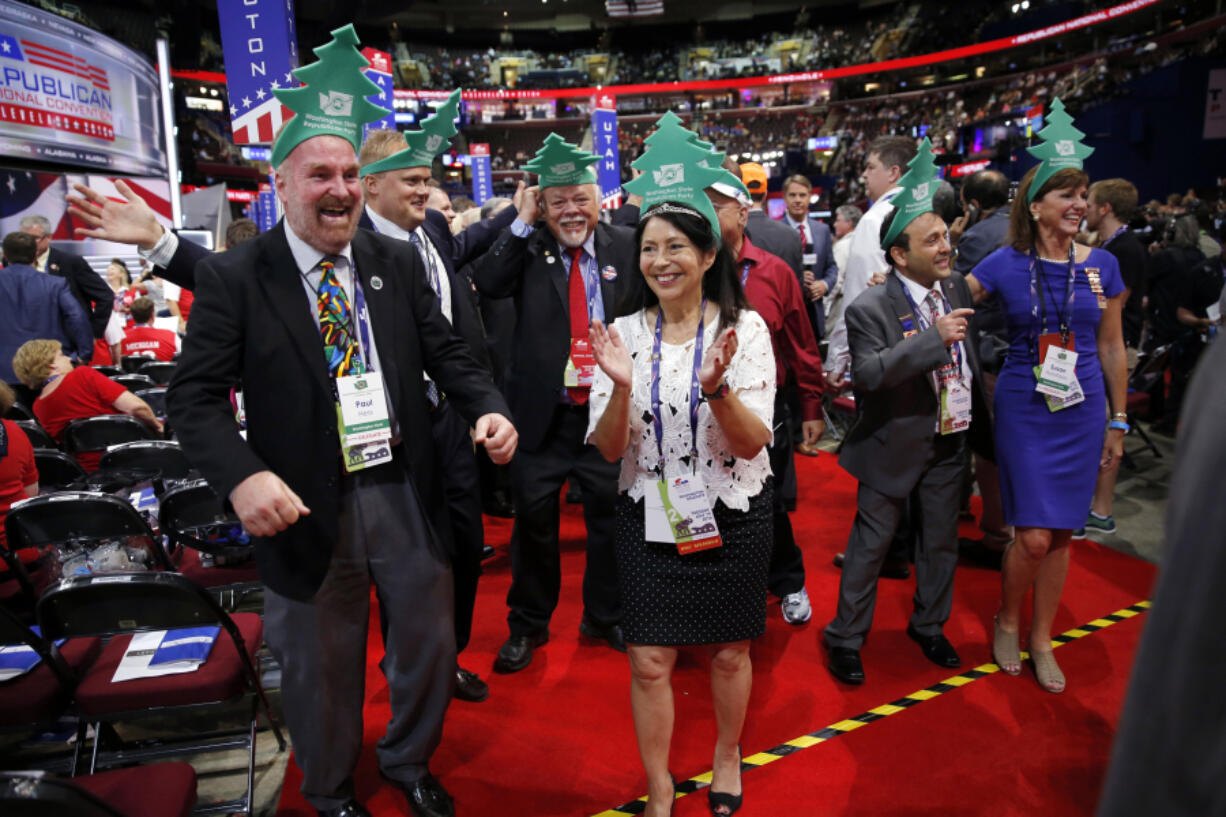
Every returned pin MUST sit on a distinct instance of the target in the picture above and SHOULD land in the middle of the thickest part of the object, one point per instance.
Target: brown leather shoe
(806, 450)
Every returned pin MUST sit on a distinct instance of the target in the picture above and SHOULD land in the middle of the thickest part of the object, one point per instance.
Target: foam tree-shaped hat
(560, 164)
(434, 137)
(1061, 147)
(676, 168)
(332, 99)
(919, 184)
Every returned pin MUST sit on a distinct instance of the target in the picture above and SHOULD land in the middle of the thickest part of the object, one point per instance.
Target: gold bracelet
(1120, 415)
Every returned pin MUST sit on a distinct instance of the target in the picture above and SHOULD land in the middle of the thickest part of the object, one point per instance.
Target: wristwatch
(721, 391)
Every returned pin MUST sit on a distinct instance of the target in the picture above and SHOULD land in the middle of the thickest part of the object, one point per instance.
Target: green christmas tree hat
(331, 100)
(678, 168)
(560, 164)
(1062, 147)
(433, 138)
(919, 184)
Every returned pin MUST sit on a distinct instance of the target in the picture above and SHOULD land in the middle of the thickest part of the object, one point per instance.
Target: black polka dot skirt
(709, 597)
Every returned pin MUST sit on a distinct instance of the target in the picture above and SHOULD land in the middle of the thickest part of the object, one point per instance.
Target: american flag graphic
(634, 8)
(257, 115)
(27, 193)
(47, 57)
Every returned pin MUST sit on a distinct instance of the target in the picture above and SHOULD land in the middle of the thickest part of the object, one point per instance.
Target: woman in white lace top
(685, 390)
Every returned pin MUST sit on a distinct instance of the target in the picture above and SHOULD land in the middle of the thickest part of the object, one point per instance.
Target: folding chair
(70, 519)
(156, 398)
(93, 435)
(841, 415)
(157, 790)
(134, 381)
(42, 694)
(161, 456)
(1150, 369)
(195, 522)
(160, 370)
(38, 437)
(130, 364)
(56, 470)
(109, 371)
(121, 605)
(18, 412)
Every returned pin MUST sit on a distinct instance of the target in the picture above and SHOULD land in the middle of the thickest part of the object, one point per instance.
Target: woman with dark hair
(684, 397)
(1064, 366)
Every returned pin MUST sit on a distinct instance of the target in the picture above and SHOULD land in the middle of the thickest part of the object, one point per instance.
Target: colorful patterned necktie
(577, 291)
(341, 351)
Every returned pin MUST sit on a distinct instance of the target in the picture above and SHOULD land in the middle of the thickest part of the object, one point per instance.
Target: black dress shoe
(488, 552)
(427, 797)
(350, 808)
(469, 686)
(937, 649)
(516, 652)
(611, 634)
(845, 664)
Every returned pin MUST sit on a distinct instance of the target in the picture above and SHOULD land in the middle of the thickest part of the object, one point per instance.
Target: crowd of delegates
(677, 344)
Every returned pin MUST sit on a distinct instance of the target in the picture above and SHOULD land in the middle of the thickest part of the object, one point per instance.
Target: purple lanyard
(695, 389)
(1038, 304)
(359, 305)
(1114, 236)
(923, 323)
(745, 272)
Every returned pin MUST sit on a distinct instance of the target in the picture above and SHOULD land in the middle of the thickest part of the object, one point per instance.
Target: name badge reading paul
(365, 428)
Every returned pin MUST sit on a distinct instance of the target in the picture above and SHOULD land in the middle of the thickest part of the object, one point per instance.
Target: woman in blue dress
(1055, 293)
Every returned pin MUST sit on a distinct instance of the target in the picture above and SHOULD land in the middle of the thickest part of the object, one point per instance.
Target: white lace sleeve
(602, 384)
(752, 371)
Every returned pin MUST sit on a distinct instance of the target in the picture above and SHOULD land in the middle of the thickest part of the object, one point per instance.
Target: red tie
(804, 239)
(578, 314)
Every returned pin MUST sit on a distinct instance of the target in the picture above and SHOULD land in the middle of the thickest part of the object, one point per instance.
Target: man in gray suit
(916, 381)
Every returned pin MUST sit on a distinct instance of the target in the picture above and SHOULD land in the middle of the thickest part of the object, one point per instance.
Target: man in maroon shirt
(143, 340)
(773, 291)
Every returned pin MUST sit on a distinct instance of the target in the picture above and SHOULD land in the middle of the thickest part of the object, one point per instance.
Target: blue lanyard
(1038, 304)
(695, 388)
(923, 323)
(1114, 236)
(359, 306)
(745, 272)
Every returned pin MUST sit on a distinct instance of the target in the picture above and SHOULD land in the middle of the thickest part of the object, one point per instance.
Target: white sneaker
(796, 609)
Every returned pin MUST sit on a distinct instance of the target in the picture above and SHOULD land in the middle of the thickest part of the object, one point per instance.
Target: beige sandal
(1047, 671)
(1005, 651)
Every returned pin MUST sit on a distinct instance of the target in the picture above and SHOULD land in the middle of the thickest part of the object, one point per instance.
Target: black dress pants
(787, 565)
(538, 477)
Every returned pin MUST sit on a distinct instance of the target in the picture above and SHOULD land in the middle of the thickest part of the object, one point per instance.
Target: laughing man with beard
(562, 274)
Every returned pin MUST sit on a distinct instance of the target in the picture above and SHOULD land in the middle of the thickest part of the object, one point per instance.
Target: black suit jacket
(252, 321)
(87, 286)
(532, 271)
(891, 441)
(777, 239)
(182, 267)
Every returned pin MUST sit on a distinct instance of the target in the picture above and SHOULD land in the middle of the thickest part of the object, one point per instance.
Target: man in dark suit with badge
(916, 380)
(561, 275)
(396, 171)
(87, 286)
(330, 330)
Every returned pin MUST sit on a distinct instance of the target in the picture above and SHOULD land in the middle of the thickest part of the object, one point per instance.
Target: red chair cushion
(37, 696)
(219, 678)
(156, 790)
(189, 566)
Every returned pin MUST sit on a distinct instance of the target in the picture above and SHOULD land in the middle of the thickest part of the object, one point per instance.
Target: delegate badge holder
(580, 366)
(1057, 380)
(679, 513)
(365, 428)
(955, 400)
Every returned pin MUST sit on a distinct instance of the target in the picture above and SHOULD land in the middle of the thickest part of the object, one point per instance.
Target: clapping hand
(715, 361)
(611, 354)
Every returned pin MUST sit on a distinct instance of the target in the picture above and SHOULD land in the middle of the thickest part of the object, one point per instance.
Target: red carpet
(556, 738)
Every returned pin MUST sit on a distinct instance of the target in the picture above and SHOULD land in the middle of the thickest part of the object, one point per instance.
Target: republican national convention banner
(605, 143)
(260, 49)
(71, 96)
(483, 175)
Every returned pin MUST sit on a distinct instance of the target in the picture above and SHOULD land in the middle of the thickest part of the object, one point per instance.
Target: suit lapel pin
(549, 259)
(376, 282)
(609, 273)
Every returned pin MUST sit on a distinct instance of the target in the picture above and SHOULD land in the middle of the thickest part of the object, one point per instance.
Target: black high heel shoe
(722, 800)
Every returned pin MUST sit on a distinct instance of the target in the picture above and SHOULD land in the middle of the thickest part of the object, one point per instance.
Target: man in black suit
(87, 286)
(819, 272)
(917, 392)
(570, 259)
(394, 181)
(302, 315)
